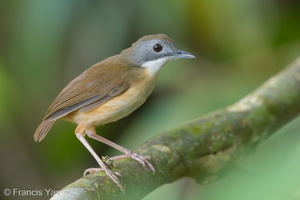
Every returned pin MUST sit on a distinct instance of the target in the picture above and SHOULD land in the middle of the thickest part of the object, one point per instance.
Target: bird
(110, 90)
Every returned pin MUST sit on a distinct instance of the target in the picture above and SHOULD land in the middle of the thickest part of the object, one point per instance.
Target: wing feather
(68, 109)
(90, 89)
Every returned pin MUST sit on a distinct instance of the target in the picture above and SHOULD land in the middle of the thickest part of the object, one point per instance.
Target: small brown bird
(110, 90)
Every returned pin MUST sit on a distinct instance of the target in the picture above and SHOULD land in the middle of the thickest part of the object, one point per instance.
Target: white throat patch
(155, 65)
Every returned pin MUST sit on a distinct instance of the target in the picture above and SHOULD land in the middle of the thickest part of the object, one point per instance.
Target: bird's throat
(155, 65)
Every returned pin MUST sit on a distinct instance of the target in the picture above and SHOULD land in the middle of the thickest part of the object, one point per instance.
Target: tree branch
(202, 148)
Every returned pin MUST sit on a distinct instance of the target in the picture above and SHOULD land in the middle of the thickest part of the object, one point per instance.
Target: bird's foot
(113, 175)
(139, 158)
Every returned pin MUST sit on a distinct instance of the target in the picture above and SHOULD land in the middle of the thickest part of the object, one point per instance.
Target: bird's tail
(42, 130)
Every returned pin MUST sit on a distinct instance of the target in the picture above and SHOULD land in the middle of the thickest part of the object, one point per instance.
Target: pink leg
(91, 132)
(80, 135)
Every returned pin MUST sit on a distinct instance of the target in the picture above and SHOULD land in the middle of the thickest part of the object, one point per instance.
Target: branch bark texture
(203, 148)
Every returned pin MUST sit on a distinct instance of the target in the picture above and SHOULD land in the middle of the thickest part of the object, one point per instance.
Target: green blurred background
(238, 44)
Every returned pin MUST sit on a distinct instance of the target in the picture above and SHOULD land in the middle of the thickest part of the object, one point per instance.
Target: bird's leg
(91, 132)
(80, 133)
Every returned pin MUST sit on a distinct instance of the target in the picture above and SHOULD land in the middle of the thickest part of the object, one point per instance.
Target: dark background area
(238, 44)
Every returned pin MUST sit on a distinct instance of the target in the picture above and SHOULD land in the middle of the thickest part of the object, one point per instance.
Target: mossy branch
(202, 148)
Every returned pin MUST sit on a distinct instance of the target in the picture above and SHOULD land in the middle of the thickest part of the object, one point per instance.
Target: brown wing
(83, 103)
(90, 89)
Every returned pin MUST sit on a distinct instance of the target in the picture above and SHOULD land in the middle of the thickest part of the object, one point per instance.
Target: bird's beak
(183, 54)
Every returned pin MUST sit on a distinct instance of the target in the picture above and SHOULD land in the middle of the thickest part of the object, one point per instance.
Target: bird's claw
(139, 158)
(113, 175)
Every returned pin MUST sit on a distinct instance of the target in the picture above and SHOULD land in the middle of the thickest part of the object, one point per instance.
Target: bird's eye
(157, 48)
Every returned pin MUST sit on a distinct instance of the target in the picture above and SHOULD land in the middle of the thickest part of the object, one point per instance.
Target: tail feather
(42, 130)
